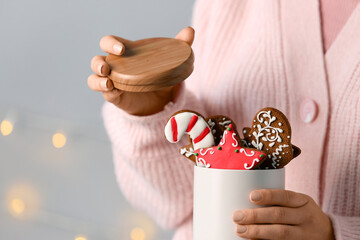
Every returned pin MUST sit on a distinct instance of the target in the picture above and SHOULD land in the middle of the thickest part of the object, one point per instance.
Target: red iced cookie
(229, 154)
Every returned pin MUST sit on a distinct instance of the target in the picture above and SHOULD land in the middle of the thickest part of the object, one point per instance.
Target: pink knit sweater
(249, 55)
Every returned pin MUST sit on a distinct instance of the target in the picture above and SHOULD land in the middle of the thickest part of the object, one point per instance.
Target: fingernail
(103, 84)
(256, 196)
(100, 69)
(239, 216)
(241, 228)
(117, 48)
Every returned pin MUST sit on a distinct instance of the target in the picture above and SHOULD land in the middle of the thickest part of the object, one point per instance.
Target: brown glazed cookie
(218, 125)
(271, 133)
(246, 131)
(188, 152)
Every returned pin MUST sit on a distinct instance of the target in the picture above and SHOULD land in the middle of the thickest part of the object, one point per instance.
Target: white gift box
(218, 193)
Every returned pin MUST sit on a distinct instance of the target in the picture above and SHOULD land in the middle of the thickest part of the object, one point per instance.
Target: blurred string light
(80, 237)
(141, 225)
(22, 201)
(6, 127)
(17, 206)
(137, 234)
(59, 140)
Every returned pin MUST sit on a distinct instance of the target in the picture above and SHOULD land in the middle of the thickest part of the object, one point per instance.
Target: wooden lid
(151, 64)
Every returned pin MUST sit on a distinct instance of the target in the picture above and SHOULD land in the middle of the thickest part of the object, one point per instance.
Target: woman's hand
(145, 103)
(291, 215)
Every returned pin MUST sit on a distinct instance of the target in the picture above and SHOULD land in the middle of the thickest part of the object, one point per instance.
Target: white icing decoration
(269, 136)
(211, 124)
(202, 163)
(186, 152)
(252, 165)
(225, 123)
(236, 142)
(206, 151)
(244, 143)
(242, 150)
(280, 124)
(182, 122)
(277, 153)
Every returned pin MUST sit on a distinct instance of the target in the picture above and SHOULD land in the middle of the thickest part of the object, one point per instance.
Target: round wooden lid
(151, 64)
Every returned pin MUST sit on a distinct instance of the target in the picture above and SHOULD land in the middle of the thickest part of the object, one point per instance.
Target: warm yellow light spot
(6, 127)
(59, 140)
(17, 206)
(22, 201)
(137, 234)
(80, 238)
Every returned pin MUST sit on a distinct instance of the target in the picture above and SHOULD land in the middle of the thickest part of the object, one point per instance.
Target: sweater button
(308, 110)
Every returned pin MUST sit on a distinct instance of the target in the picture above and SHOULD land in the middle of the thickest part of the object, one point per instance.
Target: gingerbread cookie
(271, 133)
(191, 123)
(218, 125)
(296, 150)
(228, 154)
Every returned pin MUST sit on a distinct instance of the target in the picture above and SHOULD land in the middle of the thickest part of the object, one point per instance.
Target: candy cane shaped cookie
(190, 123)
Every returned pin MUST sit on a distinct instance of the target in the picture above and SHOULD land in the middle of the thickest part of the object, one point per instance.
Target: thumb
(187, 35)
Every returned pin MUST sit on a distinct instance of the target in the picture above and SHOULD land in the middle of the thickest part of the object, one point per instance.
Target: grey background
(45, 52)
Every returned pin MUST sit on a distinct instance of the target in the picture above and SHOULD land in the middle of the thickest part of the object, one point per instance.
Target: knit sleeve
(346, 228)
(150, 171)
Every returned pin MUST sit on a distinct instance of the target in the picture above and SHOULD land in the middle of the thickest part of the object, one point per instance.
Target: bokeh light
(22, 201)
(80, 237)
(6, 127)
(137, 234)
(59, 140)
(17, 206)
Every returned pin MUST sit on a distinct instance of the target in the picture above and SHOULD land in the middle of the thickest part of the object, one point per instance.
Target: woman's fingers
(100, 84)
(187, 35)
(113, 96)
(278, 215)
(113, 44)
(99, 66)
(279, 197)
(273, 231)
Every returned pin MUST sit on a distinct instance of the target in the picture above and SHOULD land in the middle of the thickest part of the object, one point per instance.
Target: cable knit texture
(250, 55)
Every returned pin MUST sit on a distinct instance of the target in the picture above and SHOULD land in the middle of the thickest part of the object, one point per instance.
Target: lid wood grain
(151, 64)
